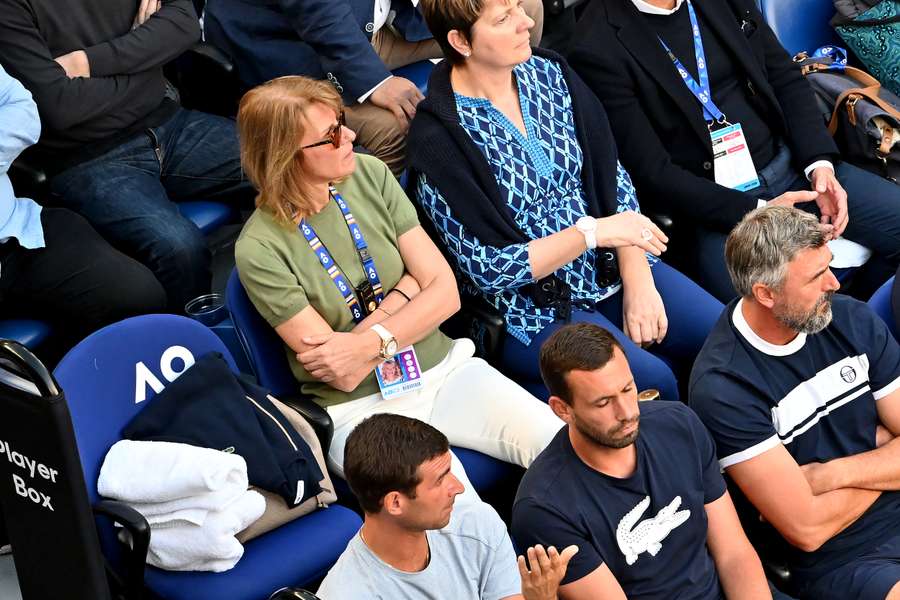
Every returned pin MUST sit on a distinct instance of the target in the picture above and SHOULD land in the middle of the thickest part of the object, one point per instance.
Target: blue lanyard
(330, 266)
(701, 89)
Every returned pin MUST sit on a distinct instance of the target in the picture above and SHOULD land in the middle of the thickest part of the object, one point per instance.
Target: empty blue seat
(207, 216)
(31, 333)
(880, 303)
(801, 25)
(417, 72)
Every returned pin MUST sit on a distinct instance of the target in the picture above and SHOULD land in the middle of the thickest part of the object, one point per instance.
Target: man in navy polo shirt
(649, 513)
(799, 388)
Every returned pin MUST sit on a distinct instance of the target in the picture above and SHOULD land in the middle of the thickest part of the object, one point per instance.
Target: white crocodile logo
(649, 534)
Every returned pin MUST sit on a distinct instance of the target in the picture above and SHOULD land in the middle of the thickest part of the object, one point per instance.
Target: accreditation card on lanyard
(732, 160)
(396, 376)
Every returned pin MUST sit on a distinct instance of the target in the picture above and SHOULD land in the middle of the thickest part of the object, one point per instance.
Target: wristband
(402, 293)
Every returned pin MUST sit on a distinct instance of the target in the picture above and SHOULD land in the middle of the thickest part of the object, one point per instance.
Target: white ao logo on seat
(144, 377)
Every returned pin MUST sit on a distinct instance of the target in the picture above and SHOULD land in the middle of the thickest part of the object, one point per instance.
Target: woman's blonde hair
(271, 122)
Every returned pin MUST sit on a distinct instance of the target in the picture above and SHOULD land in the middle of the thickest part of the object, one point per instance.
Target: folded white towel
(210, 547)
(193, 509)
(159, 472)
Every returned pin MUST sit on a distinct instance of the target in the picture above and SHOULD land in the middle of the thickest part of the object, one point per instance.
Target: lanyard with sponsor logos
(373, 282)
(701, 89)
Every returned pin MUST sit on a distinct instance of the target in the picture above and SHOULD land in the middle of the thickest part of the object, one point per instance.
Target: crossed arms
(825, 498)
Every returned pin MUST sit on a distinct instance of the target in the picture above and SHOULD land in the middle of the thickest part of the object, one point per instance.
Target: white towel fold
(192, 510)
(159, 472)
(210, 547)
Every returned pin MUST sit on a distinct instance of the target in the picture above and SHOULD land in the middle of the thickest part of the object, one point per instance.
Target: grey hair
(760, 247)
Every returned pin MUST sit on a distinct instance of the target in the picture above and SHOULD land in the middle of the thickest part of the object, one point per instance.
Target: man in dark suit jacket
(664, 137)
(352, 43)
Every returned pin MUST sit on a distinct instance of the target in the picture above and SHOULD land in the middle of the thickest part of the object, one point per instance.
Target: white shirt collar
(645, 7)
(743, 327)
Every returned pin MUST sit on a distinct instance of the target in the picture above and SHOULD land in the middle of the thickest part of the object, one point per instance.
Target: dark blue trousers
(691, 311)
(129, 196)
(872, 202)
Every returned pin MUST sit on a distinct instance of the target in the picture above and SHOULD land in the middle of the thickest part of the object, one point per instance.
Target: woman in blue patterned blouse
(515, 165)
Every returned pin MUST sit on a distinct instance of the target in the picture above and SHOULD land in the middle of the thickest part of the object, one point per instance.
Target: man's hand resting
(146, 9)
(832, 199)
(75, 64)
(548, 567)
(400, 96)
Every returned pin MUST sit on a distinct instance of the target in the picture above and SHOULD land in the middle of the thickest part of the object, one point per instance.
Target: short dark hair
(383, 454)
(443, 16)
(577, 346)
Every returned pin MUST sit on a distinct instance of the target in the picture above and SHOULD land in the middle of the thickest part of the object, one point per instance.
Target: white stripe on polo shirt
(748, 453)
(828, 390)
(886, 390)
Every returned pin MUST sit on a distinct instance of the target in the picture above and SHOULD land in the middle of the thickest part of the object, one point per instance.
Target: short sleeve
(533, 524)
(500, 575)
(711, 474)
(400, 208)
(738, 420)
(272, 287)
(882, 351)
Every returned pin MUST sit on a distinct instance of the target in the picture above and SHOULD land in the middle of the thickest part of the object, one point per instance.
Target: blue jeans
(691, 311)
(129, 195)
(873, 204)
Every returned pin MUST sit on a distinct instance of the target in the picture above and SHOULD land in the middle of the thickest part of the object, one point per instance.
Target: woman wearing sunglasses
(335, 260)
(515, 164)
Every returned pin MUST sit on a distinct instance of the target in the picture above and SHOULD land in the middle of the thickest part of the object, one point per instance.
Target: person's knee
(183, 249)
(381, 134)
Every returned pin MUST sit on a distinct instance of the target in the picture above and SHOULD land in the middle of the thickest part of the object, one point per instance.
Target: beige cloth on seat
(277, 511)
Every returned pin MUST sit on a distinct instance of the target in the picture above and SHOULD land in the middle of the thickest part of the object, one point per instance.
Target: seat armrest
(29, 180)
(293, 594)
(136, 558)
(315, 415)
(663, 220)
(206, 80)
(207, 51)
(479, 321)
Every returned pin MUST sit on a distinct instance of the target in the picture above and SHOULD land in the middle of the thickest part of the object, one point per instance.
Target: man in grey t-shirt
(416, 542)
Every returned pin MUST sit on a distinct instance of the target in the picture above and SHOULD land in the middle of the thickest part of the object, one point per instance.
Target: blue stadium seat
(801, 25)
(880, 302)
(417, 73)
(207, 216)
(266, 352)
(100, 377)
(30, 333)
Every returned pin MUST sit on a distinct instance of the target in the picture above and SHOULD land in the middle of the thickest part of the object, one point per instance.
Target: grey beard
(812, 322)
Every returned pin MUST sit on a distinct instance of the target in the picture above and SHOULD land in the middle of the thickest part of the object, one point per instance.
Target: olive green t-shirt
(282, 275)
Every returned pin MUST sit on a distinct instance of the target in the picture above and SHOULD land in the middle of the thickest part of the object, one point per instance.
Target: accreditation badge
(399, 375)
(733, 164)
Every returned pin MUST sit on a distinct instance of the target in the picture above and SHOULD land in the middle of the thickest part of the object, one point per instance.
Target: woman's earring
(467, 54)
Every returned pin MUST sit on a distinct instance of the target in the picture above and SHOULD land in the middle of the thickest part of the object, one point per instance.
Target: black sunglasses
(334, 134)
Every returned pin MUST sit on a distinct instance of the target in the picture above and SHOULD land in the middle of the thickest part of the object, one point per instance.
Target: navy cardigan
(439, 147)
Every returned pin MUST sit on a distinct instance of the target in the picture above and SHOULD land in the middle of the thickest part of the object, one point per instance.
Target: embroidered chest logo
(647, 536)
(848, 374)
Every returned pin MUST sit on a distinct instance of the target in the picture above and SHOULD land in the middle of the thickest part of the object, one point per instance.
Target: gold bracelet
(384, 310)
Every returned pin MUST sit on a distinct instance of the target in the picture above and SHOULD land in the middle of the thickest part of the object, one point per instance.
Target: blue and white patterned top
(540, 178)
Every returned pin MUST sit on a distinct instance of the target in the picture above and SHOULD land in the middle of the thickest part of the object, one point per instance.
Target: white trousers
(470, 402)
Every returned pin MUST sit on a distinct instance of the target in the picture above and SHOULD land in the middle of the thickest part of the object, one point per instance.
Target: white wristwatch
(388, 342)
(588, 228)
